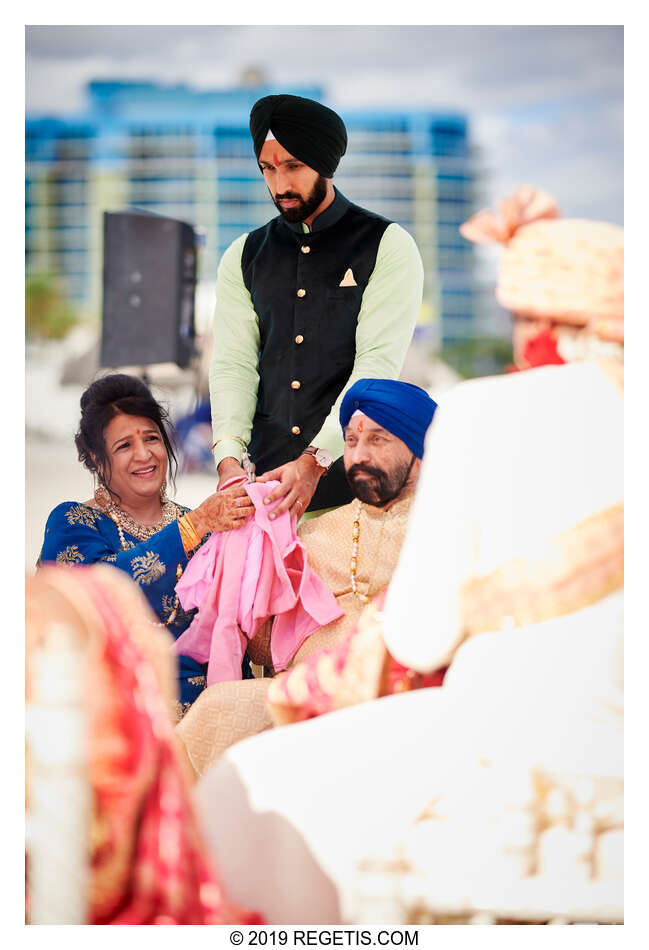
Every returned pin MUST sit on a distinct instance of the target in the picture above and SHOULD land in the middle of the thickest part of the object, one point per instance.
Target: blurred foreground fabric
(139, 856)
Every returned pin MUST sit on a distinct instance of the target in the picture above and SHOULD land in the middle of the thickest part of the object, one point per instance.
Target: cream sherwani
(328, 541)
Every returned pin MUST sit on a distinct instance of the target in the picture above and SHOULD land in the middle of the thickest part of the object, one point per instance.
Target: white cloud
(504, 66)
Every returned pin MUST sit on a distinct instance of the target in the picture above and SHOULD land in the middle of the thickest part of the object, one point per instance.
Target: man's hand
(229, 468)
(298, 481)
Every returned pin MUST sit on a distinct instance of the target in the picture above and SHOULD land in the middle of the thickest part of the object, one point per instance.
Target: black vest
(307, 327)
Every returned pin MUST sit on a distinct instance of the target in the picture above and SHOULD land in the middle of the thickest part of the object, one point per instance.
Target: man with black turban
(324, 294)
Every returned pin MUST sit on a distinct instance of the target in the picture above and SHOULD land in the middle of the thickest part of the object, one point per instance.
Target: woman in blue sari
(123, 439)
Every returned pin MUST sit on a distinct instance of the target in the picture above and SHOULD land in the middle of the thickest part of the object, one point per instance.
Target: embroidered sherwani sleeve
(386, 322)
(233, 376)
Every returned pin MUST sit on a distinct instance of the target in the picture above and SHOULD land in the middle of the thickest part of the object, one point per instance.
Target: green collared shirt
(386, 321)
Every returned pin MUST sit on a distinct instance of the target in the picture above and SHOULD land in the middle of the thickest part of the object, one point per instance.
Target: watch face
(323, 458)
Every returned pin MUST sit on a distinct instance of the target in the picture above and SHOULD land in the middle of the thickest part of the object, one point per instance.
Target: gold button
(301, 293)
(296, 384)
(299, 338)
(296, 430)
(305, 249)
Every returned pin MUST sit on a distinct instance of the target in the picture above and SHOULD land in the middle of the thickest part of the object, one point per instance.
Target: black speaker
(149, 281)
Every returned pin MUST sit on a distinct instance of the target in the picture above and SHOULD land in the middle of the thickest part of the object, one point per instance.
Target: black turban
(308, 130)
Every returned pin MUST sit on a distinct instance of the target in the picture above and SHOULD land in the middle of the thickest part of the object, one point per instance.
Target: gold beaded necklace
(353, 566)
(142, 532)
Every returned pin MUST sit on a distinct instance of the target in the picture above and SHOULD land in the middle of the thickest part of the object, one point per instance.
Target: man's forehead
(359, 422)
(274, 153)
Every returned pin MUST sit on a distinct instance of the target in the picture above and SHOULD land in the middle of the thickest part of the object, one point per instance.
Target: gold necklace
(142, 532)
(353, 566)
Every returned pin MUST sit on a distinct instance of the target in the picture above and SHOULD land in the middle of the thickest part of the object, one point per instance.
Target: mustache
(365, 470)
(287, 194)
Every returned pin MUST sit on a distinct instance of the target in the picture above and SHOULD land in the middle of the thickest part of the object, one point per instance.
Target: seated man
(354, 549)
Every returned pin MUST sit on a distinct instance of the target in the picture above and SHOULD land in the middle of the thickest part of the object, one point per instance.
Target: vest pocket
(344, 293)
(338, 326)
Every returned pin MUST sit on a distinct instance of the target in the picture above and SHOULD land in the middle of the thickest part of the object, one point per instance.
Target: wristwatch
(324, 459)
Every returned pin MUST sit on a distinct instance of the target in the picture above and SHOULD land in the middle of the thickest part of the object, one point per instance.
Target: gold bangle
(188, 534)
(234, 438)
(184, 536)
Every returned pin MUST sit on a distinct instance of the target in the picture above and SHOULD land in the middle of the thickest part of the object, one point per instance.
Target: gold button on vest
(296, 430)
(299, 338)
(305, 249)
(301, 293)
(296, 384)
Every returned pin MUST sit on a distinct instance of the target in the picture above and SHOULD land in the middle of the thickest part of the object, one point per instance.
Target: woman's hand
(222, 511)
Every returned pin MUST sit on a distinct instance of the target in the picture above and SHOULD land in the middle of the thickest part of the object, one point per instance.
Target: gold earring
(102, 495)
(163, 493)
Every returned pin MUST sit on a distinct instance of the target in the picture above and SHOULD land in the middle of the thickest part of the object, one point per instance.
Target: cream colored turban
(569, 270)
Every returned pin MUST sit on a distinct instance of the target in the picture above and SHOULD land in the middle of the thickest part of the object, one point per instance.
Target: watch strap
(314, 450)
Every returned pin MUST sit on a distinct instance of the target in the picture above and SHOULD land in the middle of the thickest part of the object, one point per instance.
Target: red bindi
(276, 158)
(359, 427)
(137, 431)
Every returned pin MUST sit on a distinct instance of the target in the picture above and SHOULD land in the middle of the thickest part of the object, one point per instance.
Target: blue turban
(403, 409)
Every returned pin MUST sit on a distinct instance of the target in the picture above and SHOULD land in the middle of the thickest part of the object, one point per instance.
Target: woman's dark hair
(106, 398)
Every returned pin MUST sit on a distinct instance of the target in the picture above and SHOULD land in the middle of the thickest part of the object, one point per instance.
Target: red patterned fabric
(147, 861)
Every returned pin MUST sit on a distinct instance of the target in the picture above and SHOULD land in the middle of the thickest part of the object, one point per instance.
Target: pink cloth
(241, 578)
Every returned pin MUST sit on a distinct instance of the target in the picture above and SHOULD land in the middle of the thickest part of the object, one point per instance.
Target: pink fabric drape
(238, 579)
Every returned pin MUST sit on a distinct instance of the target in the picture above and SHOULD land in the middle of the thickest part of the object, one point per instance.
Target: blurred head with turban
(563, 279)
(384, 422)
(298, 143)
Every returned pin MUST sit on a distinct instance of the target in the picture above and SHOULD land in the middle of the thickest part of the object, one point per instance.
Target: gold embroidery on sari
(82, 514)
(180, 709)
(197, 680)
(147, 568)
(69, 555)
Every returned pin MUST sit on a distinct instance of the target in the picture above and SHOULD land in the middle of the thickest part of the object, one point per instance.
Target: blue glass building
(187, 153)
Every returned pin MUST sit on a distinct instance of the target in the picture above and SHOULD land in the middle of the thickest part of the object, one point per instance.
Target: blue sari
(80, 534)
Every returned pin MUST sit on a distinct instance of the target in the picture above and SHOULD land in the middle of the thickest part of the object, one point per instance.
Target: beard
(381, 487)
(306, 205)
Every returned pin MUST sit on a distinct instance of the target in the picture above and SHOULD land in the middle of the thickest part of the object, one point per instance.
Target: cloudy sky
(545, 102)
